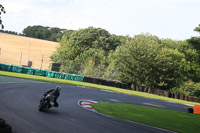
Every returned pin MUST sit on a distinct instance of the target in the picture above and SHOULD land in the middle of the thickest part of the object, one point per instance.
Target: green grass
(90, 85)
(167, 119)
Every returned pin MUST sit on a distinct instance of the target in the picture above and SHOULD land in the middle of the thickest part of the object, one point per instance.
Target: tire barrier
(40, 72)
(190, 110)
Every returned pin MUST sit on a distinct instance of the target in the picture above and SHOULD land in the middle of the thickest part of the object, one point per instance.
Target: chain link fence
(17, 58)
(87, 70)
(40, 61)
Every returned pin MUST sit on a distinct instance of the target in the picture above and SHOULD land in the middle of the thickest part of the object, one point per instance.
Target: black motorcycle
(46, 102)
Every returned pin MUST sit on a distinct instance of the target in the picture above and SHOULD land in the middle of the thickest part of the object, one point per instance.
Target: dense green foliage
(9, 32)
(181, 122)
(46, 33)
(188, 88)
(2, 10)
(85, 48)
(144, 59)
(41, 32)
(195, 42)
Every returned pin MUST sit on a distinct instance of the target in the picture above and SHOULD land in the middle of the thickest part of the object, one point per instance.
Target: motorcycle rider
(55, 92)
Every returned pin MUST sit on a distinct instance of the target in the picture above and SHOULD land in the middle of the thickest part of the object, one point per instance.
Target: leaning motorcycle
(46, 102)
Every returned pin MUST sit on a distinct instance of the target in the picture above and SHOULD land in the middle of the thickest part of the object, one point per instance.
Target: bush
(189, 88)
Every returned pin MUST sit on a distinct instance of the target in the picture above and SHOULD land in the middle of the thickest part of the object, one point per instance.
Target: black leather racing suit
(55, 93)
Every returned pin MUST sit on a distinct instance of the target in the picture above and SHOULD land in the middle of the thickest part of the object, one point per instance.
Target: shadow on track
(48, 111)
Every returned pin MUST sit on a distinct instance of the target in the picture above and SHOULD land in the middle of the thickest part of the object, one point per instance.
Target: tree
(87, 47)
(188, 88)
(195, 44)
(192, 60)
(74, 44)
(46, 33)
(2, 10)
(9, 32)
(144, 61)
(197, 29)
(195, 41)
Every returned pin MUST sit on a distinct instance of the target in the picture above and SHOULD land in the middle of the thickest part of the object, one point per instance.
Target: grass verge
(167, 119)
(90, 85)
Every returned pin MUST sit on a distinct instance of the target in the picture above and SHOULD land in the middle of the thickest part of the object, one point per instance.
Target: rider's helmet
(58, 88)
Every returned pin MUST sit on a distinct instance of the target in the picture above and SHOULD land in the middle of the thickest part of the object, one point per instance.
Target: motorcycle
(46, 102)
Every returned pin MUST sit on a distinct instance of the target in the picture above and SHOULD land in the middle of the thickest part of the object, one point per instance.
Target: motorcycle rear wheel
(43, 105)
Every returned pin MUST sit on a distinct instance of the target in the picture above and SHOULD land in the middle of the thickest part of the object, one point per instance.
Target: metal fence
(40, 61)
(88, 70)
(15, 57)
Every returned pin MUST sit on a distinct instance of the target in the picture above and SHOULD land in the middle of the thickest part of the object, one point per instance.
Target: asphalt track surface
(19, 99)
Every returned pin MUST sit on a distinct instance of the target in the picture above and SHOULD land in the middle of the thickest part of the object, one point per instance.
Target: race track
(19, 99)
